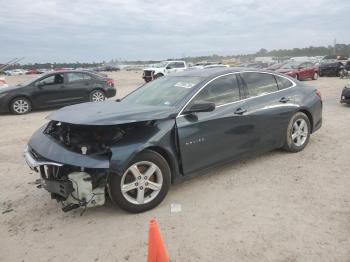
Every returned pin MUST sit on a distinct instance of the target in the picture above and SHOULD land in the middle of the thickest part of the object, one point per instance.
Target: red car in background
(33, 72)
(300, 71)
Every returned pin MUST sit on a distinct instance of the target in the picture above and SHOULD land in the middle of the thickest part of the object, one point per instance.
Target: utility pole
(334, 49)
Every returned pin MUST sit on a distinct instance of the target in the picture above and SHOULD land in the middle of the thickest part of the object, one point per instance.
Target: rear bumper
(111, 92)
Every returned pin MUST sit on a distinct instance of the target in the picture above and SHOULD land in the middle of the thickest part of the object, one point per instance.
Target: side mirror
(39, 84)
(201, 106)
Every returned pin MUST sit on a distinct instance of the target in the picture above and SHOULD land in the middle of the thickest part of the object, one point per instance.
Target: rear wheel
(143, 185)
(298, 133)
(20, 106)
(97, 96)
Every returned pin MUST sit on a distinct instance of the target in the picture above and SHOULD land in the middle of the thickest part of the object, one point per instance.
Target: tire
(158, 75)
(20, 106)
(297, 77)
(315, 76)
(137, 182)
(301, 136)
(97, 96)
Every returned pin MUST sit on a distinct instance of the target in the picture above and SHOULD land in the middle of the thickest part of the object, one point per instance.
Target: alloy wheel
(141, 182)
(21, 106)
(299, 132)
(97, 96)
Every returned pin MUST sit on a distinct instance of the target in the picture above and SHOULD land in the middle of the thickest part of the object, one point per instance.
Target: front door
(208, 138)
(49, 90)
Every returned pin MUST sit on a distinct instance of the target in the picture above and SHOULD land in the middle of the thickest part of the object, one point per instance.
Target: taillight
(110, 82)
(318, 93)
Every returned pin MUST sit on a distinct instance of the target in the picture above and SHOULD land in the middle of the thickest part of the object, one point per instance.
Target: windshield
(164, 91)
(160, 65)
(290, 66)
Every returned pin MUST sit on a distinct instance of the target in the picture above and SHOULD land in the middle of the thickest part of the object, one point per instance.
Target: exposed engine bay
(86, 139)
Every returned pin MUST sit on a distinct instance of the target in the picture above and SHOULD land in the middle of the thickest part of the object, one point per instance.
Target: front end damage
(74, 160)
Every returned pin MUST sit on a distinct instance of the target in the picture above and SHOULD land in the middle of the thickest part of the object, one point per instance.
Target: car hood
(153, 68)
(110, 113)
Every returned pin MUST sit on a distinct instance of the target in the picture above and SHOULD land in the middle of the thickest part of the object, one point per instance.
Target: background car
(3, 82)
(345, 95)
(329, 67)
(34, 71)
(168, 130)
(300, 71)
(274, 67)
(56, 89)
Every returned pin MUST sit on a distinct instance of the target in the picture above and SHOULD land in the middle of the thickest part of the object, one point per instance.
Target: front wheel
(97, 96)
(20, 106)
(143, 185)
(298, 133)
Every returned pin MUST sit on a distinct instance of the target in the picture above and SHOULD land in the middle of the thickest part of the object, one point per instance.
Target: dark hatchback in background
(168, 130)
(56, 89)
(330, 67)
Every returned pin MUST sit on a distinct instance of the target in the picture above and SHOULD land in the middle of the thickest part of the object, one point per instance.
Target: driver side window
(221, 91)
(52, 80)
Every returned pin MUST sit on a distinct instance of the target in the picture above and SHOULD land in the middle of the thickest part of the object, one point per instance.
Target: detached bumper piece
(68, 184)
(61, 188)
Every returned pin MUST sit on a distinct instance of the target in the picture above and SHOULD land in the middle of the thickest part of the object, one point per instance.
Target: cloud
(86, 30)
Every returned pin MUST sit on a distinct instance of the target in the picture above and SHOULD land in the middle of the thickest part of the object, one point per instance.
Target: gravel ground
(274, 207)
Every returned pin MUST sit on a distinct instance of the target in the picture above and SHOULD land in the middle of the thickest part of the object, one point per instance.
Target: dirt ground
(275, 207)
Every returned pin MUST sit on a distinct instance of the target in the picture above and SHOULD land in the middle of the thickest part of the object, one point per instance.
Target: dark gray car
(56, 89)
(168, 130)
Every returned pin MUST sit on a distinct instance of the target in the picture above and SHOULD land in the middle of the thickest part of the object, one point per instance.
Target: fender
(156, 135)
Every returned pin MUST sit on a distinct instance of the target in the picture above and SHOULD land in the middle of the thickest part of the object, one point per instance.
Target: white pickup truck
(162, 69)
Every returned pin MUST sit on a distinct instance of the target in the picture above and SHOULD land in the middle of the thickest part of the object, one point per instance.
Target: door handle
(240, 111)
(62, 86)
(284, 99)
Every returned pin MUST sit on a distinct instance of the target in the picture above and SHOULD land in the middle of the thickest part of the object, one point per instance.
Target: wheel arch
(19, 96)
(168, 157)
(309, 116)
(119, 163)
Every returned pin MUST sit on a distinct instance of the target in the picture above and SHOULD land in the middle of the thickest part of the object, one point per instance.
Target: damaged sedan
(170, 129)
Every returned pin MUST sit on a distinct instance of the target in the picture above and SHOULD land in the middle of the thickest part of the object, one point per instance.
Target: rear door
(77, 87)
(270, 106)
(207, 138)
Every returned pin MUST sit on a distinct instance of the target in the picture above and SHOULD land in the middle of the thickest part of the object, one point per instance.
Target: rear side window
(283, 82)
(259, 83)
(221, 91)
(76, 77)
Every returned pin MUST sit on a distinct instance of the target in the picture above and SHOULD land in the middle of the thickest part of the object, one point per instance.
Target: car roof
(213, 72)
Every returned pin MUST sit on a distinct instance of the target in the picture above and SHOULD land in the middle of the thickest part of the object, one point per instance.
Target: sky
(93, 30)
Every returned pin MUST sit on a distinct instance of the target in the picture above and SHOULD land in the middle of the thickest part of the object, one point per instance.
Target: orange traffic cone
(156, 249)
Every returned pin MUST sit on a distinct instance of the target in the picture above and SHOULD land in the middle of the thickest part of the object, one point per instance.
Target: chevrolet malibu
(166, 131)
